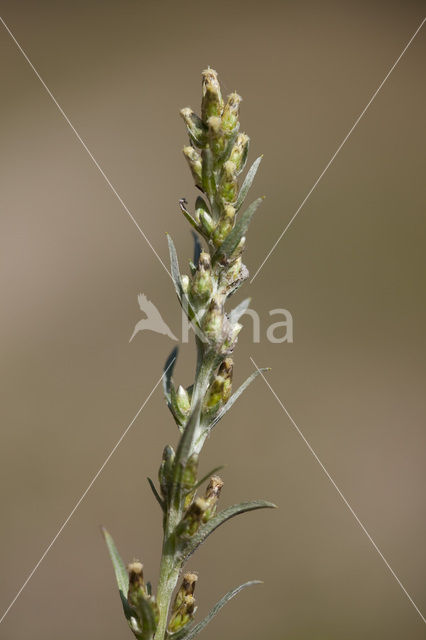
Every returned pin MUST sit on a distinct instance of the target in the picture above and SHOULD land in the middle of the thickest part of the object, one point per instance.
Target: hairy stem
(170, 565)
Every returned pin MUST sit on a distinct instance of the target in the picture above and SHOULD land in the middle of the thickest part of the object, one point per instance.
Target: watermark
(278, 329)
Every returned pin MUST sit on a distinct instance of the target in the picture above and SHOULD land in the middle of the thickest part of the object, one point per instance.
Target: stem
(170, 565)
(169, 574)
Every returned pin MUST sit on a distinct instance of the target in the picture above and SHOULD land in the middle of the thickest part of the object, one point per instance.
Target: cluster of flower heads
(216, 155)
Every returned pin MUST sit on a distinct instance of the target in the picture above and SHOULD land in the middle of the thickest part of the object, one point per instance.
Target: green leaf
(182, 297)
(236, 395)
(232, 239)
(168, 373)
(220, 518)
(121, 574)
(174, 266)
(247, 182)
(120, 570)
(197, 248)
(156, 494)
(218, 606)
(239, 310)
(192, 222)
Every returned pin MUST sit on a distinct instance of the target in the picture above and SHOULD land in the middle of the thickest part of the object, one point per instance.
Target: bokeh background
(351, 270)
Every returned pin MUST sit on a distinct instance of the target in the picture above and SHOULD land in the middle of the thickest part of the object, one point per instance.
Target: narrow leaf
(236, 395)
(239, 230)
(220, 518)
(168, 373)
(247, 182)
(182, 297)
(218, 606)
(188, 216)
(155, 492)
(174, 265)
(197, 248)
(236, 313)
(120, 570)
(121, 575)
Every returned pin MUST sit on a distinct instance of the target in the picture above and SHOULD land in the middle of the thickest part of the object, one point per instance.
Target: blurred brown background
(350, 269)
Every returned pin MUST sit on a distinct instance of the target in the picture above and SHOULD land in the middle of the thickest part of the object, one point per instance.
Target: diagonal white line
(84, 494)
(333, 157)
(339, 492)
(80, 139)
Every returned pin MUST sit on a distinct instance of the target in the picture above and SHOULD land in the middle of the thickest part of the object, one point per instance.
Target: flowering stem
(216, 155)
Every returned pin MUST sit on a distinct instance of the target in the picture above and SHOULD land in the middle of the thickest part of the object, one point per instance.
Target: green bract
(216, 154)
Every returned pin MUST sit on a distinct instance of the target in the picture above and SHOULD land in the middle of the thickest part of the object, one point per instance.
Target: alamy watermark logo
(277, 332)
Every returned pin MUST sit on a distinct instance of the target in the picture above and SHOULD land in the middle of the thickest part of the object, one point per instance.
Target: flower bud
(165, 470)
(206, 222)
(184, 280)
(189, 581)
(226, 371)
(202, 284)
(189, 477)
(182, 400)
(234, 271)
(194, 516)
(224, 226)
(220, 388)
(212, 102)
(212, 496)
(187, 589)
(228, 182)
(200, 206)
(214, 396)
(194, 160)
(215, 125)
(239, 151)
(231, 112)
(196, 128)
(137, 589)
(213, 320)
(136, 583)
(180, 404)
(137, 593)
(217, 139)
(183, 615)
(213, 489)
